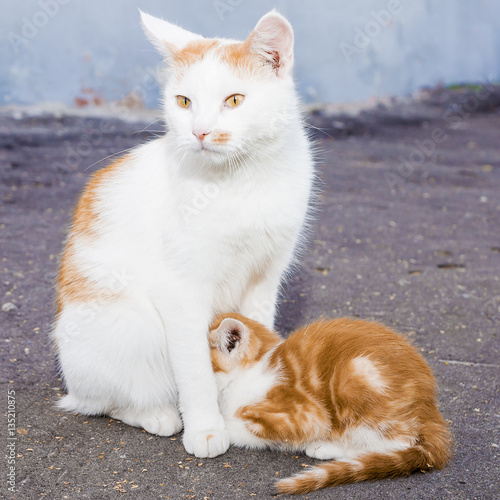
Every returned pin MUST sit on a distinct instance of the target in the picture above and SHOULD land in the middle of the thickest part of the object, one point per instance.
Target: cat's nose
(200, 135)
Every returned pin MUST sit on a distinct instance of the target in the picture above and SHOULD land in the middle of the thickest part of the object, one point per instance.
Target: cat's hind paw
(325, 451)
(162, 424)
(160, 421)
(207, 444)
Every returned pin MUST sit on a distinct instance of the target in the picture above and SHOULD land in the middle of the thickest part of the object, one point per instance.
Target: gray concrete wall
(346, 50)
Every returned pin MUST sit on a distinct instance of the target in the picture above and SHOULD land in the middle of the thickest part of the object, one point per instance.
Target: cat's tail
(432, 451)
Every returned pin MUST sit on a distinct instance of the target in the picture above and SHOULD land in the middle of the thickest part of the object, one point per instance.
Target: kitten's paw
(325, 451)
(207, 444)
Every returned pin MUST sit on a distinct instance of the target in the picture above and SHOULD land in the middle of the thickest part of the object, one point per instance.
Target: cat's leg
(261, 296)
(187, 316)
(275, 419)
(325, 450)
(114, 361)
(240, 435)
(260, 299)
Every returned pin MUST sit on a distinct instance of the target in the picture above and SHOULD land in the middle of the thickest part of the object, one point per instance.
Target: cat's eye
(183, 101)
(234, 100)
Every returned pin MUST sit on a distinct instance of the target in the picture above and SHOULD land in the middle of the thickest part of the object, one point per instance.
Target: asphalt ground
(406, 231)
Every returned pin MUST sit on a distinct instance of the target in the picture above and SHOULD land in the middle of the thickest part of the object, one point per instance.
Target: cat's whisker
(254, 155)
(119, 153)
(178, 164)
(313, 127)
(149, 125)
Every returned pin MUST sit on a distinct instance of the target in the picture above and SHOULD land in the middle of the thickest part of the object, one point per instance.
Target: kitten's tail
(432, 451)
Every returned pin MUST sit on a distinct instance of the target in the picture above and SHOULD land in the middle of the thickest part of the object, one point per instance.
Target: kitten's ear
(231, 334)
(166, 37)
(272, 39)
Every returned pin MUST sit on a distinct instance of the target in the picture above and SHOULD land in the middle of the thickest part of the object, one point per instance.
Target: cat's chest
(234, 226)
(235, 207)
(237, 219)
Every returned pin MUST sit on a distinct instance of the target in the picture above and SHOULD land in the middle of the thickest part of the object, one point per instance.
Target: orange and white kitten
(202, 220)
(343, 389)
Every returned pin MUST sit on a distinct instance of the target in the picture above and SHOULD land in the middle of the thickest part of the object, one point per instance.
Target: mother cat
(203, 220)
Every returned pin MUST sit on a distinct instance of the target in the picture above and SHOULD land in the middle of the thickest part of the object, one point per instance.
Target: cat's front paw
(206, 444)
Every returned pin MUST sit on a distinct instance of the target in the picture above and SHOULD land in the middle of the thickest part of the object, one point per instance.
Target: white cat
(203, 220)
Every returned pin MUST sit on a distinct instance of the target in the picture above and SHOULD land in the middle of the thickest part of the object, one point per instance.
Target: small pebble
(9, 306)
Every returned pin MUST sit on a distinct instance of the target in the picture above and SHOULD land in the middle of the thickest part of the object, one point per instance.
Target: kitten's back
(367, 377)
(351, 354)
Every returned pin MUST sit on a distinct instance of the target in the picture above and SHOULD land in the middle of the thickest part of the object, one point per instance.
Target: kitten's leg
(187, 323)
(325, 450)
(275, 419)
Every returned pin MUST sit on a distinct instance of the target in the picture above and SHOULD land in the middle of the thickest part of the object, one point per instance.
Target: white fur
(325, 450)
(161, 32)
(354, 444)
(364, 439)
(186, 231)
(366, 368)
(241, 387)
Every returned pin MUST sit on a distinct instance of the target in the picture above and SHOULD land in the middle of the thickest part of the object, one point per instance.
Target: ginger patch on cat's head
(239, 56)
(194, 51)
(238, 341)
(270, 44)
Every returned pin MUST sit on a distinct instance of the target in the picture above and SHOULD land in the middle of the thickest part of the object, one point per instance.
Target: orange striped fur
(338, 380)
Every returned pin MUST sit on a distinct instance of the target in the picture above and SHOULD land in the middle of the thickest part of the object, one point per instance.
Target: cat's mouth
(213, 153)
(204, 147)
(209, 150)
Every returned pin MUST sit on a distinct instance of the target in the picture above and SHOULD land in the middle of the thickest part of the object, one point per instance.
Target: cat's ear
(231, 334)
(168, 38)
(272, 39)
